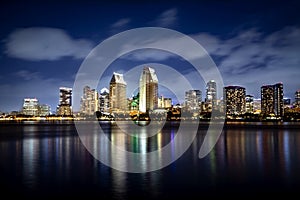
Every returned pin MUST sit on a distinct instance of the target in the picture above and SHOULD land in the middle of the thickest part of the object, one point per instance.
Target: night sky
(44, 43)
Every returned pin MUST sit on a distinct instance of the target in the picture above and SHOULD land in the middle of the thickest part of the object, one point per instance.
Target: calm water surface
(48, 159)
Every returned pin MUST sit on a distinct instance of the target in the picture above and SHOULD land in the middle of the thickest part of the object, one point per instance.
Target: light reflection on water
(43, 158)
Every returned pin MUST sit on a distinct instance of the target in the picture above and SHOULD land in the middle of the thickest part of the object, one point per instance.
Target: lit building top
(118, 78)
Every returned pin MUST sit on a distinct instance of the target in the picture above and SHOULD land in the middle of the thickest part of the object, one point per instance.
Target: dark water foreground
(249, 160)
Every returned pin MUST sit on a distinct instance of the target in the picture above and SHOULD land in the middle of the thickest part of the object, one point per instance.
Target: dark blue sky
(44, 43)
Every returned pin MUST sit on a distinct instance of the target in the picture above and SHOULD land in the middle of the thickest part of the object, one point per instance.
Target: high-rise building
(104, 100)
(44, 110)
(257, 106)
(234, 100)
(65, 101)
(30, 107)
(148, 90)
(272, 99)
(249, 104)
(211, 91)
(297, 98)
(117, 93)
(164, 102)
(89, 103)
(193, 100)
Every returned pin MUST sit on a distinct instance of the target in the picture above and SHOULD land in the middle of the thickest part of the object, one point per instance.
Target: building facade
(249, 104)
(148, 90)
(164, 102)
(193, 99)
(30, 107)
(211, 91)
(234, 100)
(272, 100)
(104, 100)
(89, 103)
(297, 98)
(65, 101)
(117, 93)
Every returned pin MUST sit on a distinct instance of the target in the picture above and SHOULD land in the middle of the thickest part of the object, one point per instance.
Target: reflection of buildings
(272, 99)
(65, 101)
(193, 100)
(249, 104)
(148, 90)
(117, 93)
(89, 103)
(164, 102)
(104, 100)
(30, 106)
(234, 99)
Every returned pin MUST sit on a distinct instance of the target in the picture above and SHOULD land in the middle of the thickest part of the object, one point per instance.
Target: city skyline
(40, 52)
(65, 96)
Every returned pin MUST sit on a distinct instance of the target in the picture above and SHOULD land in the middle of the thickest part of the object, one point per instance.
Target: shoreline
(202, 124)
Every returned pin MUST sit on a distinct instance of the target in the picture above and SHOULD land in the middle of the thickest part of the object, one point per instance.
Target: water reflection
(36, 158)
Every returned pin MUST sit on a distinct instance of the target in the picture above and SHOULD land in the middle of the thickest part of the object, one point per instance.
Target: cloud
(42, 43)
(32, 84)
(27, 75)
(252, 58)
(120, 23)
(167, 19)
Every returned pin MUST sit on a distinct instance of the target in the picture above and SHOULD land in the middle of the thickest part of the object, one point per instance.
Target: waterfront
(48, 159)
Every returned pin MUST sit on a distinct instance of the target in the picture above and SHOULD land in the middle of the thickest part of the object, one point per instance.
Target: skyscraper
(117, 93)
(249, 104)
(211, 91)
(44, 110)
(234, 99)
(297, 98)
(164, 102)
(193, 100)
(65, 101)
(272, 99)
(89, 103)
(104, 100)
(30, 107)
(148, 90)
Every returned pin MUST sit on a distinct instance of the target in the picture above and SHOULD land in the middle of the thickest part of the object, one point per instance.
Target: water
(49, 160)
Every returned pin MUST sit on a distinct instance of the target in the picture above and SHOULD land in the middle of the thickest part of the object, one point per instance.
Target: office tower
(148, 90)
(193, 100)
(235, 100)
(257, 106)
(44, 110)
(30, 107)
(272, 99)
(164, 102)
(117, 93)
(104, 100)
(65, 101)
(297, 98)
(89, 103)
(211, 91)
(249, 104)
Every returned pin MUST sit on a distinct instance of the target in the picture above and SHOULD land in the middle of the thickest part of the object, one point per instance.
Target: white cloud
(46, 90)
(251, 58)
(120, 23)
(167, 19)
(41, 43)
(27, 75)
